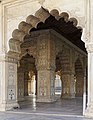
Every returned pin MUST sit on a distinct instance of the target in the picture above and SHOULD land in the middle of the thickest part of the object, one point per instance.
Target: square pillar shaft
(68, 85)
(46, 92)
(45, 68)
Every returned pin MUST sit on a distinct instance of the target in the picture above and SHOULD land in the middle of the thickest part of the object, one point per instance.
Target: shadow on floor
(61, 106)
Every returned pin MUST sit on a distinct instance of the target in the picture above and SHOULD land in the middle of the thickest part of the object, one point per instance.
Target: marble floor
(62, 109)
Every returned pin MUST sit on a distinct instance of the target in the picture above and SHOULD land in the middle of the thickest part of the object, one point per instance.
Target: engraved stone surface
(11, 94)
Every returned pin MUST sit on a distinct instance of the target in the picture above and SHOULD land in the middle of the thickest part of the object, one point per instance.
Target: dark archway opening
(43, 19)
(27, 78)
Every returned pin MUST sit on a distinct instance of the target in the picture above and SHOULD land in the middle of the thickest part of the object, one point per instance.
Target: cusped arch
(43, 19)
(80, 58)
(24, 54)
(80, 61)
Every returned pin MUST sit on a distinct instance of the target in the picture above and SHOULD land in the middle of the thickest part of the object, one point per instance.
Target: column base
(67, 96)
(46, 100)
(21, 99)
(9, 106)
(89, 111)
(72, 95)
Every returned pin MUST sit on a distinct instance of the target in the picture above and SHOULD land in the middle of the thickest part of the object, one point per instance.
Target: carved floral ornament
(37, 22)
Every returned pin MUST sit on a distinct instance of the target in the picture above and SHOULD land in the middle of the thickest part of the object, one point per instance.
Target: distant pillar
(68, 85)
(20, 84)
(72, 86)
(65, 85)
(68, 74)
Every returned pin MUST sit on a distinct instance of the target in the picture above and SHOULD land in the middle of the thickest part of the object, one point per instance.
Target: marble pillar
(8, 83)
(89, 109)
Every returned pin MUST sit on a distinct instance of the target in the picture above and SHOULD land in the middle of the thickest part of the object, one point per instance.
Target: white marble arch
(10, 18)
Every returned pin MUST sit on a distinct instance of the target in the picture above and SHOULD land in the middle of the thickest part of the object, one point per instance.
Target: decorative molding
(11, 94)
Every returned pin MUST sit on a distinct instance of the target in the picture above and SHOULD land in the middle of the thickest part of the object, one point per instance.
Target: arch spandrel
(31, 52)
(20, 16)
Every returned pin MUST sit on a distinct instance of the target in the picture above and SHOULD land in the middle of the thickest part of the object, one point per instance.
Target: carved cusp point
(55, 13)
(80, 28)
(65, 16)
(42, 14)
(31, 19)
(19, 35)
(14, 45)
(23, 26)
(74, 20)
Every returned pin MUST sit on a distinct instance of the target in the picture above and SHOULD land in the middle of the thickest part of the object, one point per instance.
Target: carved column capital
(5, 57)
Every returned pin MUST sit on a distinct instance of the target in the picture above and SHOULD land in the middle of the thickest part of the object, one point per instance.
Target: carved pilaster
(8, 83)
